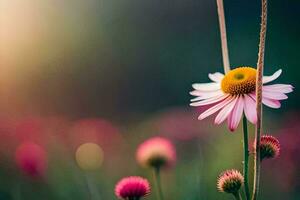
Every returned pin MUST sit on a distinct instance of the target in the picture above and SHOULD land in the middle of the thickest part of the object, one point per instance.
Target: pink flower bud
(230, 181)
(269, 147)
(156, 152)
(133, 187)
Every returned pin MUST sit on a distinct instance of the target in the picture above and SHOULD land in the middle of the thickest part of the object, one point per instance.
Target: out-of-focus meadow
(116, 72)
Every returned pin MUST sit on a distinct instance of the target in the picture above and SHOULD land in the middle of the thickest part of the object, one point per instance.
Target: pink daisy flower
(132, 188)
(233, 94)
(156, 152)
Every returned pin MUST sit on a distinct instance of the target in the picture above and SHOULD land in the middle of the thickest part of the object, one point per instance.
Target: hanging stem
(246, 157)
(156, 174)
(260, 67)
(222, 24)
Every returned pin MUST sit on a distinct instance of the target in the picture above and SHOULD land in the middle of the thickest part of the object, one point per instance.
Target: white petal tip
(217, 122)
(194, 85)
(279, 71)
(200, 118)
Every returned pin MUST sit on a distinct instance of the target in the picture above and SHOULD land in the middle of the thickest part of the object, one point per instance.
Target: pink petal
(282, 88)
(206, 86)
(208, 95)
(271, 103)
(216, 77)
(236, 115)
(203, 93)
(267, 79)
(274, 95)
(223, 114)
(215, 108)
(210, 100)
(268, 102)
(250, 109)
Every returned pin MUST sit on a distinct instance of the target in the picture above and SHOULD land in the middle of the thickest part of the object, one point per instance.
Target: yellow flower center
(239, 81)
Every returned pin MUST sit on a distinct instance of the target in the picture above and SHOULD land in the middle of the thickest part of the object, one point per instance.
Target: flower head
(230, 181)
(233, 94)
(89, 156)
(156, 152)
(133, 187)
(269, 147)
(31, 159)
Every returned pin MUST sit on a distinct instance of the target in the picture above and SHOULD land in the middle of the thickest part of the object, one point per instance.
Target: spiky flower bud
(131, 188)
(230, 181)
(269, 147)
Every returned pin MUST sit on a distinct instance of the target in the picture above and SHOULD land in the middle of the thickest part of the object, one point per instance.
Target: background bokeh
(117, 72)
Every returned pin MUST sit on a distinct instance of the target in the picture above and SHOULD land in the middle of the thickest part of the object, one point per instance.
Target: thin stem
(200, 166)
(16, 193)
(237, 196)
(133, 198)
(94, 194)
(260, 67)
(156, 174)
(246, 157)
(222, 25)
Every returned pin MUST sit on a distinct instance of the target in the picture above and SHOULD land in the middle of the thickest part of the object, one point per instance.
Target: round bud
(269, 147)
(230, 181)
(156, 152)
(133, 187)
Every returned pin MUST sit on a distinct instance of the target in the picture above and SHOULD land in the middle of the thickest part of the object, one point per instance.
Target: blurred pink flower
(31, 158)
(7, 135)
(133, 187)
(178, 124)
(30, 129)
(101, 132)
(288, 161)
(95, 130)
(156, 152)
(234, 94)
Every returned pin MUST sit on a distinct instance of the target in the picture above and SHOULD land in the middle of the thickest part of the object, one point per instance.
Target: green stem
(237, 196)
(246, 157)
(16, 193)
(157, 181)
(94, 194)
